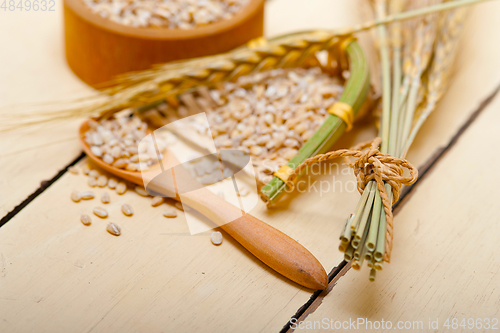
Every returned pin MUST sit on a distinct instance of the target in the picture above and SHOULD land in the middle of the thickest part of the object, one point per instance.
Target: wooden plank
(33, 70)
(445, 260)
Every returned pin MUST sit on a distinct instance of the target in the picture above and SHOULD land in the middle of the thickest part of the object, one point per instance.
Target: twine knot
(370, 164)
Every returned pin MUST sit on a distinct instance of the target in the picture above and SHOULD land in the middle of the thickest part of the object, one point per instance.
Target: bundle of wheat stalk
(420, 68)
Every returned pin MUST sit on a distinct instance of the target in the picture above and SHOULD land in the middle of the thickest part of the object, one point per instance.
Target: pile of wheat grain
(116, 142)
(269, 115)
(173, 14)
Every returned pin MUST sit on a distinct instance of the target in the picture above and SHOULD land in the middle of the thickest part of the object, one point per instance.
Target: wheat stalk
(451, 26)
(423, 34)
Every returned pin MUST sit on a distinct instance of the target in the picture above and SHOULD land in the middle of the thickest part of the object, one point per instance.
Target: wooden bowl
(97, 49)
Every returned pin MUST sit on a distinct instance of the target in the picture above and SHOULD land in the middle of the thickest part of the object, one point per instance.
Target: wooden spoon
(271, 246)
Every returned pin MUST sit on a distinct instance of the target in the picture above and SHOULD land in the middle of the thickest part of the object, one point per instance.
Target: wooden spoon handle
(271, 246)
(278, 251)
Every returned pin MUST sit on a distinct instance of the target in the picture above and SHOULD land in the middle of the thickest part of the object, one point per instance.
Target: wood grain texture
(33, 70)
(445, 262)
(56, 274)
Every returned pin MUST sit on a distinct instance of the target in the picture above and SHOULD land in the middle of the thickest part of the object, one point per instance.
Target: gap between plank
(337, 272)
(43, 186)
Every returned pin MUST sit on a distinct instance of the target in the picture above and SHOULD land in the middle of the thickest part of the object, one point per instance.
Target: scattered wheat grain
(141, 191)
(102, 181)
(105, 199)
(87, 195)
(113, 229)
(75, 196)
(112, 182)
(121, 188)
(92, 182)
(170, 213)
(156, 201)
(127, 210)
(101, 212)
(73, 170)
(85, 219)
(216, 238)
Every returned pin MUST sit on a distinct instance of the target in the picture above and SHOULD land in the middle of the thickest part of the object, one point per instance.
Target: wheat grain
(100, 212)
(156, 201)
(102, 181)
(179, 206)
(113, 229)
(216, 238)
(73, 170)
(92, 182)
(87, 195)
(141, 191)
(121, 188)
(94, 174)
(85, 219)
(127, 210)
(105, 199)
(85, 169)
(170, 213)
(75, 196)
(112, 182)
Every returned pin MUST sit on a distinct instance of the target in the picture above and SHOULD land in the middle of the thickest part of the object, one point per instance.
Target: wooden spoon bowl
(271, 246)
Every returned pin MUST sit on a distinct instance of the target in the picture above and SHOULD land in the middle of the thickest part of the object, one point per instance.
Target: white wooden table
(57, 275)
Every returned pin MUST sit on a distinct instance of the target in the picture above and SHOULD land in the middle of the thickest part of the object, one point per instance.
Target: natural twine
(371, 164)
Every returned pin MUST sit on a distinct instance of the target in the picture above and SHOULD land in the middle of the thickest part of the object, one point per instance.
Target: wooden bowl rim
(78, 7)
